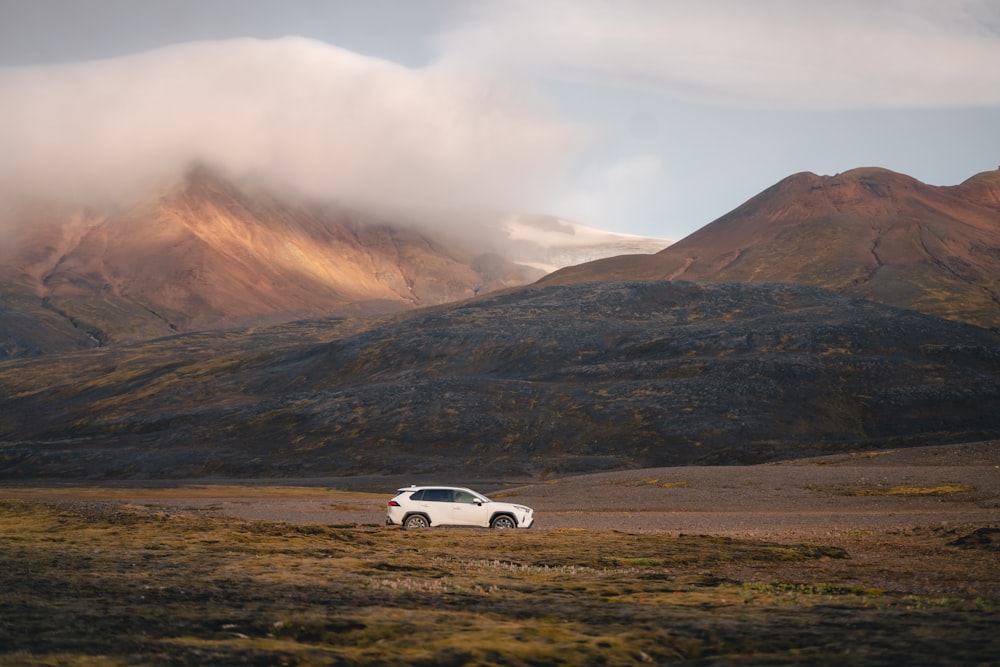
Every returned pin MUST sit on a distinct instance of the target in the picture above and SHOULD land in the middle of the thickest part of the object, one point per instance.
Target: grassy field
(89, 582)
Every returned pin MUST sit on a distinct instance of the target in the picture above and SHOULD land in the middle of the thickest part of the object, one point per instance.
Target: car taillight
(393, 503)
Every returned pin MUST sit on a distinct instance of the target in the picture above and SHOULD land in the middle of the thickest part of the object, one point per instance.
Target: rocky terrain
(533, 383)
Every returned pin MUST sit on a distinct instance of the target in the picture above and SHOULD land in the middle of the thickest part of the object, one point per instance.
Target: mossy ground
(98, 583)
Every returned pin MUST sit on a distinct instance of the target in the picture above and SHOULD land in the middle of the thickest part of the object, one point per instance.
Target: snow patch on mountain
(549, 243)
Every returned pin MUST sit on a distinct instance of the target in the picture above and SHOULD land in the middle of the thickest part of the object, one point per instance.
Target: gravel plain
(817, 499)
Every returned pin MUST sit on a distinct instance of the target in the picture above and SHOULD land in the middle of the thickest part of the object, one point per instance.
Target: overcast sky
(647, 117)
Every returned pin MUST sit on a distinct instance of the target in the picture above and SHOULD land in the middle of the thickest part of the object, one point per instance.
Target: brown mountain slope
(210, 255)
(870, 233)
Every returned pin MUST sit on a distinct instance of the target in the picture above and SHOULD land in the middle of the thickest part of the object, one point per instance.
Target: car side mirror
(477, 501)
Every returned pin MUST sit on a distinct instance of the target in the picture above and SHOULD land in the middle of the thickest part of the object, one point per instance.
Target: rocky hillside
(870, 233)
(537, 381)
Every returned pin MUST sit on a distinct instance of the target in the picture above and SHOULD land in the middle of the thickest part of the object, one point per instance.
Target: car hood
(510, 506)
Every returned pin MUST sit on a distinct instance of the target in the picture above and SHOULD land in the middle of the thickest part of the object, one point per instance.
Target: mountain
(208, 255)
(530, 382)
(870, 233)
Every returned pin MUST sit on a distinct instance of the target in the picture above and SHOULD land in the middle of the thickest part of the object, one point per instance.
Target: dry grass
(942, 490)
(88, 582)
(648, 481)
(183, 491)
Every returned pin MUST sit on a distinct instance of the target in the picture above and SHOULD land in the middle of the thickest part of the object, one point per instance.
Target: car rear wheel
(502, 522)
(416, 521)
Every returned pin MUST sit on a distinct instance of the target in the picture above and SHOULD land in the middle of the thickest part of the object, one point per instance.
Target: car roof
(414, 487)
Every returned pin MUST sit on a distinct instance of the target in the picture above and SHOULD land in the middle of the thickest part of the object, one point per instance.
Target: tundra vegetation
(93, 582)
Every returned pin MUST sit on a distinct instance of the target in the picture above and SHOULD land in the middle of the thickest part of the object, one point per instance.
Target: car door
(436, 503)
(468, 510)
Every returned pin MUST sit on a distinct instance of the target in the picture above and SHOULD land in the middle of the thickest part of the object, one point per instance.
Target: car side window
(464, 497)
(438, 495)
(417, 495)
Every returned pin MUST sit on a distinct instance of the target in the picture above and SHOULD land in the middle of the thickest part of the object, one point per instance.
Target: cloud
(852, 54)
(333, 123)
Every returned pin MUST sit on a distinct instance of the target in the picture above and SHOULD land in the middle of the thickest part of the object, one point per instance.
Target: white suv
(423, 506)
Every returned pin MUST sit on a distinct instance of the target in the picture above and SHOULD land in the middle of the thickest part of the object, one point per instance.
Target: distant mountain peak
(983, 189)
(868, 232)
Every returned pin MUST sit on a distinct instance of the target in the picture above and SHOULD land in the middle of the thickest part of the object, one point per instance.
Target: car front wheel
(416, 521)
(502, 522)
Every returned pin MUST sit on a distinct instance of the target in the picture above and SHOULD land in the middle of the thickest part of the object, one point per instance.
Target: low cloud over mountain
(332, 123)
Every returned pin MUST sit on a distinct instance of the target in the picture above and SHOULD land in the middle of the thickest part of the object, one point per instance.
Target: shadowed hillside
(537, 381)
(870, 233)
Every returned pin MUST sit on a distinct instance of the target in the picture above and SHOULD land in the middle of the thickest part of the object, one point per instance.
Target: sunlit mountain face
(208, 254)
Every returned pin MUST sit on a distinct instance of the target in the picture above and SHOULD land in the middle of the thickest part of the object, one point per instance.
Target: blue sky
(649, 117)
